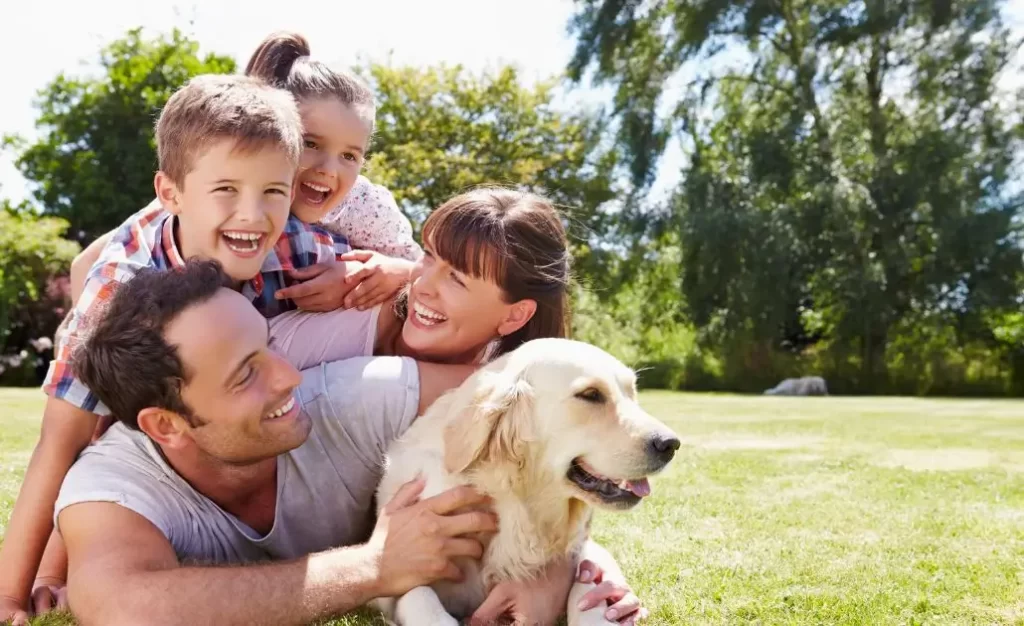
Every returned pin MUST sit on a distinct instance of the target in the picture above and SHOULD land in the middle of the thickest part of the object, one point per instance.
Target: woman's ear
(518, 315)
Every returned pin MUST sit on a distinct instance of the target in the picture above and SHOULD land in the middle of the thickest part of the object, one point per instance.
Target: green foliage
(442, 130)
(642, 323)
(32, 254)
(847, 204)
(94, 162)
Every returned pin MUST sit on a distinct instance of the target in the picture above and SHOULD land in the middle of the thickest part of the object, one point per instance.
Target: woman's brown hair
(283, 61)
(515, 240)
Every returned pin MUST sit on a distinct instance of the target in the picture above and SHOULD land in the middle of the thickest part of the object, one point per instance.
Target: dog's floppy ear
(494, 426)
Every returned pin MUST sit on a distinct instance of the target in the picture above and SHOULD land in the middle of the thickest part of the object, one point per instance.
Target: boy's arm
(69, 421)
(66, 430)
(83, 262)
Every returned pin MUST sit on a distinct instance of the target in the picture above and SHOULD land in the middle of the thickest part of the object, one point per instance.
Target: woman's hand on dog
(624, 605)
(417, 541)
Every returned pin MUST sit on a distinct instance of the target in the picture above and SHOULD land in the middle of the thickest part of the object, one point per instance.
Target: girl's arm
(370, 219)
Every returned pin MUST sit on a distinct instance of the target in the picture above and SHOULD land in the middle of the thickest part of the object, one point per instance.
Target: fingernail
(586, 576)
(582, 605)
(611, 614)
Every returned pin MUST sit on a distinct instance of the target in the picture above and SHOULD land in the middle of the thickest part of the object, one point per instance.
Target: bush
(34, 293)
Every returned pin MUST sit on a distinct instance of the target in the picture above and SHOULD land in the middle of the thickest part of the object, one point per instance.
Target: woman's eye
(310, 144)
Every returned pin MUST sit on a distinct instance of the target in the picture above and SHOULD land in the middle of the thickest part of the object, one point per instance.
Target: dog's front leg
(422, 606)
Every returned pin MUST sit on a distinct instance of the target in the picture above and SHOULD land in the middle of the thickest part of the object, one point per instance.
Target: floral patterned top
(369, 218)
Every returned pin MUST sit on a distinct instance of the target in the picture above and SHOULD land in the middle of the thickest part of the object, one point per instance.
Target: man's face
(241, 392)
(233, 206)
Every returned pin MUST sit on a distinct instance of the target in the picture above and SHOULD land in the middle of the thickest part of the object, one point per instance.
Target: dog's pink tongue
(639, 487)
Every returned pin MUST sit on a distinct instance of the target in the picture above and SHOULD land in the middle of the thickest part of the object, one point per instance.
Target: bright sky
(41, 39)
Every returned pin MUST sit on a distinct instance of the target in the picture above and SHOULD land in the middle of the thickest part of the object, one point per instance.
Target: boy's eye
(277, 191)
(348, 156)
(226, 188)
(458, 280)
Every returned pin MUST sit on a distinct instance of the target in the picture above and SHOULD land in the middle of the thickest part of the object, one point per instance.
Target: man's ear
(518, 315)
(167, 192)
(166, 428)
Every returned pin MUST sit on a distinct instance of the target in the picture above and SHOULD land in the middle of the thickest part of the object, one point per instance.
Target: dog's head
(560, 412)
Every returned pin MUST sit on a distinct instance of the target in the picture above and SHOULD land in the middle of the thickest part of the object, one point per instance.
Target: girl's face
(453, 316)
(335, 140)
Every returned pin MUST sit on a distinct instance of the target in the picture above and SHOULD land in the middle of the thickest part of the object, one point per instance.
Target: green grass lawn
(797, 511)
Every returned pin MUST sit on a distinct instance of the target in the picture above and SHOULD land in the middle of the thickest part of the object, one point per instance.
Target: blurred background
(755, 189)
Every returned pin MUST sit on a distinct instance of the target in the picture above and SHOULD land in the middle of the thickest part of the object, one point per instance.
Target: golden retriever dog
(550, 432)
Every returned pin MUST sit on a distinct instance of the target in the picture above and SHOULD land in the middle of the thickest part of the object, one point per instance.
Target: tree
(94, 162)
(851, 182)
(33, 254)
(441, 131)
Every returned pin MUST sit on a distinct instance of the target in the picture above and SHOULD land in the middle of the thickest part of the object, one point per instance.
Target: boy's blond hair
(214, 107)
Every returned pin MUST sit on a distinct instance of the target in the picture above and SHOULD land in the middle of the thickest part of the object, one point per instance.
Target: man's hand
(12, 612)
(323, 286)
(538, 601)
(381, 277)
(625, 606)
(416, 542)
(49, 594)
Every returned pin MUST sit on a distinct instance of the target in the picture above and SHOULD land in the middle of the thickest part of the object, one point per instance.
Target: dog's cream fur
(512, 431)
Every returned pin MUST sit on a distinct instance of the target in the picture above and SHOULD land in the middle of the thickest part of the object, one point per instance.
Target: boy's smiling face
(232, 205)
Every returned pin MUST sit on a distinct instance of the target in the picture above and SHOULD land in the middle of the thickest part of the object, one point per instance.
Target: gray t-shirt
(325, 487)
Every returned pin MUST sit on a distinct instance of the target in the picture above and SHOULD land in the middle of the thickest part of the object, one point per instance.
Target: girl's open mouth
(314, 194)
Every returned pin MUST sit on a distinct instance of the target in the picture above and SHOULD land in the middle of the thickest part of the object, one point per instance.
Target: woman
(494, 274)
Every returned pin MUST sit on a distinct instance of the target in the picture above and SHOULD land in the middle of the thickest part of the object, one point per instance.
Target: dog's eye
(590, 394)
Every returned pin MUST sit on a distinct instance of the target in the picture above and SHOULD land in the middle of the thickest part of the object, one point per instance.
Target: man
(224, 453)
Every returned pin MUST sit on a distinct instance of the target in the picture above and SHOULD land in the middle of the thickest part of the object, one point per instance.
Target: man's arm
(123, 570)
(66, 430)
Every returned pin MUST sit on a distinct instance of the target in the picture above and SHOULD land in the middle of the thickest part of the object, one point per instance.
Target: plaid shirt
(147, 240)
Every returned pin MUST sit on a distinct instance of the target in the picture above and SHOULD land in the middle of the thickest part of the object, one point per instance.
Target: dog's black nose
(662, 447)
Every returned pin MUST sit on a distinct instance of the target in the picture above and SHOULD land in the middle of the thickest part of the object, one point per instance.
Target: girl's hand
(323, 286)
(381, 277)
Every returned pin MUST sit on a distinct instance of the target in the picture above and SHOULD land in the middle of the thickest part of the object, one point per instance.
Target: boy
(228, 149)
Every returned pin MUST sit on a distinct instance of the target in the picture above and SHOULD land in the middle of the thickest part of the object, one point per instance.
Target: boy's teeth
(287, 407)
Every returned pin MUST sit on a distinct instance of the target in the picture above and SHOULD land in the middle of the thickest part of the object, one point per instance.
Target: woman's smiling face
(452, 316)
